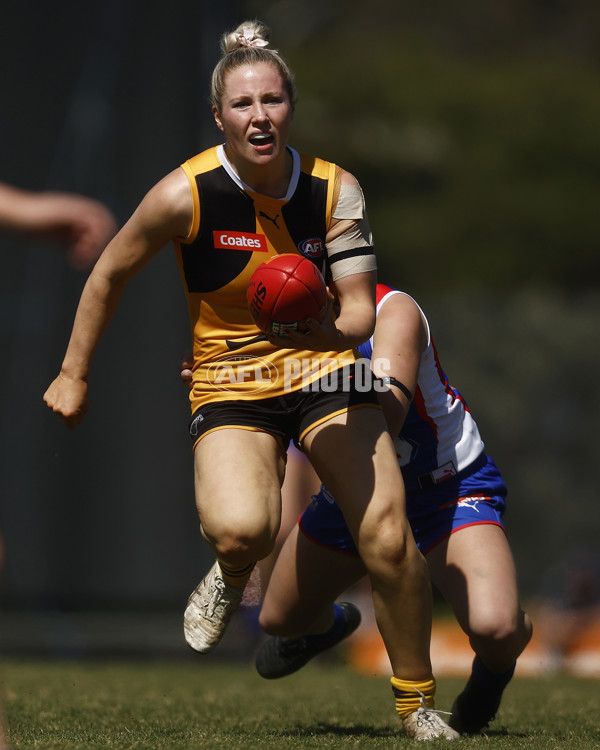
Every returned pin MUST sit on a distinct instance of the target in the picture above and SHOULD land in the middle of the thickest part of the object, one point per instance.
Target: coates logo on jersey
(313, 248)
(226, 240)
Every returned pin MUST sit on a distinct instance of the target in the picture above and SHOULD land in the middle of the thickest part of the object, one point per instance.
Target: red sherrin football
(284, 291)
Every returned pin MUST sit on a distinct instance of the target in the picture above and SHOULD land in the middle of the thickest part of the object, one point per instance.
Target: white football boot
(426, 724)
(209, 609)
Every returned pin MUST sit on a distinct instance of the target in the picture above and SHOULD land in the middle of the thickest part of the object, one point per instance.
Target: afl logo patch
(313, 248)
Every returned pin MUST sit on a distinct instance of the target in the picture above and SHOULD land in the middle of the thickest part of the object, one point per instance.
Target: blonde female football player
(455, 499)
(227, 210)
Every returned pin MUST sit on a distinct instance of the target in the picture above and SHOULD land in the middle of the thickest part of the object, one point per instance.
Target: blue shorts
(476, 495)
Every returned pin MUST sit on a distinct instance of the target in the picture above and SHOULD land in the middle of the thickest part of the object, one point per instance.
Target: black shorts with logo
(291, 416)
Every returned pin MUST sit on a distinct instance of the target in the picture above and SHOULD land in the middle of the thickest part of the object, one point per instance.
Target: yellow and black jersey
(233, 231)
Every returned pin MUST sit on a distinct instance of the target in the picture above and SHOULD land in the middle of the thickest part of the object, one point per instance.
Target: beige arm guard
(351, 251)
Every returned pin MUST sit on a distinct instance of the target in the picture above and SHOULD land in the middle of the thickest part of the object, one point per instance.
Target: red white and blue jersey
(439, 437)
(451, 483)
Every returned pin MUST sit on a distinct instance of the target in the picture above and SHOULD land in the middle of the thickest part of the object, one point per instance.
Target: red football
(284, 291)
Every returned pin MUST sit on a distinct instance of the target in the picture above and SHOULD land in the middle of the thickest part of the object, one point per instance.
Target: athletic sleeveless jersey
(233, 231)
(439, 437)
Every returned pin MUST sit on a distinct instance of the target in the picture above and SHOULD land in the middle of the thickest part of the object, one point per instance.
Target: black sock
(483, 679)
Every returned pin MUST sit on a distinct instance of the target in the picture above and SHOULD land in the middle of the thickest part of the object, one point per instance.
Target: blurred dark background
(474, 130)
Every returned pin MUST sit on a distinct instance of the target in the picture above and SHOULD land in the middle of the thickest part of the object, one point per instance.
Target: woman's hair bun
(248, 34)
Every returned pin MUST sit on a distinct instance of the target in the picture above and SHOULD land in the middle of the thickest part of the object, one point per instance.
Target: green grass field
(224, 705)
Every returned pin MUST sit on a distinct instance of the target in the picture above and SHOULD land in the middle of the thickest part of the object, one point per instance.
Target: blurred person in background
(79, 225)
(567, 610)
(455, 503)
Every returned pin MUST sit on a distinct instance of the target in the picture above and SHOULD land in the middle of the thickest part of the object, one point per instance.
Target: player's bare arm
(82, 225)
(399, 341)
(354, 293)
(163, 214)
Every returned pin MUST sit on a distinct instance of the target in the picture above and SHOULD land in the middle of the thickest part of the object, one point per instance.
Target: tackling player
(455, 499)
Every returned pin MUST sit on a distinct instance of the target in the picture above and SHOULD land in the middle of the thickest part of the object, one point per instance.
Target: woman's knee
(503, 631)
(242, 541)
(388, 545)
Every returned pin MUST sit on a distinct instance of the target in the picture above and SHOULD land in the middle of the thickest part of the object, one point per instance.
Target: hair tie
(247, 39)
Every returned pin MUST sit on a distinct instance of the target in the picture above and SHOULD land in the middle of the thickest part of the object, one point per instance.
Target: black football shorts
(292, 415)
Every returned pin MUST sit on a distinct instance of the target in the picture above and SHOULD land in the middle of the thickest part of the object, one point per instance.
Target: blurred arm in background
(82, 225)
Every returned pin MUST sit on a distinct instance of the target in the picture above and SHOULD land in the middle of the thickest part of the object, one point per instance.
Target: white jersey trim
(228, 167)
